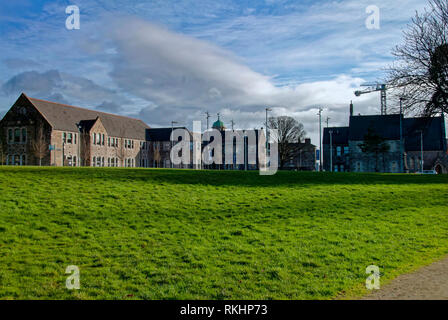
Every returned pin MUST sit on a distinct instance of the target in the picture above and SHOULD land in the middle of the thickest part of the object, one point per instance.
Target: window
(338, 151)
(358, 166)
(103, 140)
(341, 168)
(17, 160)
(102, 162)
(335, 169)
(346, 150)
(94, 139)
(74, 161)
(10, 136)
(70, 138)
(76, 138)
(94, 161)
(23, 135)
(17, 135)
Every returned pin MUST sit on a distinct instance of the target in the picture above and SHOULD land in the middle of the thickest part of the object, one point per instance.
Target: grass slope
(161, 234)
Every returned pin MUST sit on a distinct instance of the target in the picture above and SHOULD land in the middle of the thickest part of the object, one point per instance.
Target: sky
(166, 60)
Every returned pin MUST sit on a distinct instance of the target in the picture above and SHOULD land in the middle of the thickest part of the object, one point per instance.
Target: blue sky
(173, 60)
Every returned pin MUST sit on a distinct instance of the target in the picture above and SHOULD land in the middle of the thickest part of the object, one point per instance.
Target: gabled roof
(433, 133)
(65, 118)
(386, 126)
(339, 135)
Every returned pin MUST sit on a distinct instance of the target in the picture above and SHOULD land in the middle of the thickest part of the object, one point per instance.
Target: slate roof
(339, 136)
(433, 133)
(65, 118)
(386, 126)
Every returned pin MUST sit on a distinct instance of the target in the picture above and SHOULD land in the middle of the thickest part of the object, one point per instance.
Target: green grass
(161, 234)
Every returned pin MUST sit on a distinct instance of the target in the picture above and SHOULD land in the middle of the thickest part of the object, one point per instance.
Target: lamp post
(320, 138)
(331, 150)
(401, 137)
(421, 150)
(171, 141)
(267, 133)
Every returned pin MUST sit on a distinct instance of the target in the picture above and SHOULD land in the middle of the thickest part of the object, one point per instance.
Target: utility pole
(171, 140)
(232, 122)
(421, 150)
(267, 132)
(331, 150)
(320, 138)
(401, 137)
(207, 116)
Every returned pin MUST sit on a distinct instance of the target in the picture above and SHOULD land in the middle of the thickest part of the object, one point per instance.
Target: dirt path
(427, 283)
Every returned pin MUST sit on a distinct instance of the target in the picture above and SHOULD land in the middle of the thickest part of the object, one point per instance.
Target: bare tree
(289, 133)
(39, 145)
(420, 74)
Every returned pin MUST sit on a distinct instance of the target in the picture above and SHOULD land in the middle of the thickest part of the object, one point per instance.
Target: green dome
(218, 125)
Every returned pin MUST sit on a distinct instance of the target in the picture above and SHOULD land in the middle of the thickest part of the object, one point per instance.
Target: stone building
(343, 146)
(37, 132)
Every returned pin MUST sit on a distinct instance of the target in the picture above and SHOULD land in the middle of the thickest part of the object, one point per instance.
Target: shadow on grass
(224, 178)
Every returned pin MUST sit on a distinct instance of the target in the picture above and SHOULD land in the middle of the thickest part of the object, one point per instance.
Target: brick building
(37, 132)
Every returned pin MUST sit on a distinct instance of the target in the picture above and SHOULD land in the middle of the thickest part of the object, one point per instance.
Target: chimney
(351, 108)
(307, 141)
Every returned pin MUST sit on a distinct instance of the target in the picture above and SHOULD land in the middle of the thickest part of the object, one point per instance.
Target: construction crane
(373, 87)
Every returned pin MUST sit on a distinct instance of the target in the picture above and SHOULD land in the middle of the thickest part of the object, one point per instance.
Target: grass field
(174, 234)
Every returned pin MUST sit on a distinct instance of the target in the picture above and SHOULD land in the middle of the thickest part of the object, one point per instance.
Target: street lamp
(171, 140)
(401, 136)
(331, 150)
(421, 150)
(320, 138)
(267, 132)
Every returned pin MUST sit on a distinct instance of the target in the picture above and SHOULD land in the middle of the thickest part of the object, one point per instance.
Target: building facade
(386, 143)
(39, 132)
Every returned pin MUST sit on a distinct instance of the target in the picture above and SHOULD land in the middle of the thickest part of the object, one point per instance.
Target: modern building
(396, 144)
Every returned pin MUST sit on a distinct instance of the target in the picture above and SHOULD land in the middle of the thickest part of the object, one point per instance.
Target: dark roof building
(344, 153)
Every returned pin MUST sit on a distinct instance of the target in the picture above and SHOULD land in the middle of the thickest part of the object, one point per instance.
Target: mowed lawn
(180, 234)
